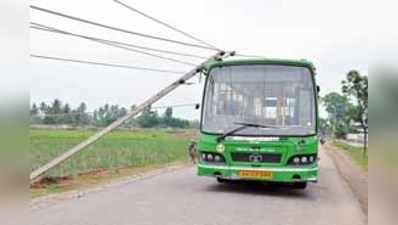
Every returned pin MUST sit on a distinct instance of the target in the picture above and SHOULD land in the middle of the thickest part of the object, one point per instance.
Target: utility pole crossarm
(69, 153)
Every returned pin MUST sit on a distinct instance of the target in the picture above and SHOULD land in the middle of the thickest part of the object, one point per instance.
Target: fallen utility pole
(69, 153)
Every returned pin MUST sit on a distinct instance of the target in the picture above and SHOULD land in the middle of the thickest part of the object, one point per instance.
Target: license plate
(255, 174)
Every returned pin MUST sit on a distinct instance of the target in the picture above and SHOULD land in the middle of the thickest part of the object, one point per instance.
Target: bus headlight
(212, 158)
(302, 160)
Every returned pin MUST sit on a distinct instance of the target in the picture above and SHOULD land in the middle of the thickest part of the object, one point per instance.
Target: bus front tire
(221, 180)
(300, 185)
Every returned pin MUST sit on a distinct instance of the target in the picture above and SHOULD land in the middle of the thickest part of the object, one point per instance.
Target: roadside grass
(117, 154)
(356, 153)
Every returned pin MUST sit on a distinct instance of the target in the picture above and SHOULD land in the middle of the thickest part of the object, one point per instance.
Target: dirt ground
(356, 177)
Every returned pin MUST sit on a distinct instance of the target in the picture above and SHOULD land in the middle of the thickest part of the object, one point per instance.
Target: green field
(356, 154)
(119, 149)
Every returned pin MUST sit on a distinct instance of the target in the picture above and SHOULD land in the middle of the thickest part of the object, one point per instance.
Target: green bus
(259, 121)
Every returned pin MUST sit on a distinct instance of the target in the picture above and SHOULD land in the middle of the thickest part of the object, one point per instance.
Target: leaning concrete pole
(78, 148)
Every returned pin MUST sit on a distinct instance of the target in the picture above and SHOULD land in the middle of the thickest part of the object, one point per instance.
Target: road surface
(182, 198)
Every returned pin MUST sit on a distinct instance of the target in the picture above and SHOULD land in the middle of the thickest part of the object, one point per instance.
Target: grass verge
(356, 153)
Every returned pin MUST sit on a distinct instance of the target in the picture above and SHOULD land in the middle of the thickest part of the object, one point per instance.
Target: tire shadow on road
(258, 188)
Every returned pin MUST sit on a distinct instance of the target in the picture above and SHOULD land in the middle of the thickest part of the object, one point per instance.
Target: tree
(56, 107)
(167, 119)
(108, 114)
(356, 87)
(67, 118)
(43, 107)
(58, 113)
(82, 107)
(66, 108)
(324, 127)
(168, 113)
(337, 107)
(34, 110)
(194, 124)
(81, 117)
(148, 118)
(34, 115)
(51, 111)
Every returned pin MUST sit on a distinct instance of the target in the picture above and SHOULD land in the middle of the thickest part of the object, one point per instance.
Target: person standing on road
(192, 151)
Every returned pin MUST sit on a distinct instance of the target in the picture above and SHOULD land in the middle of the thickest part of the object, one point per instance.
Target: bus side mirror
(318, 89)
(197, 106)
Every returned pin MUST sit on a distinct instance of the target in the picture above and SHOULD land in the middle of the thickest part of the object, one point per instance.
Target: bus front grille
(256, 157)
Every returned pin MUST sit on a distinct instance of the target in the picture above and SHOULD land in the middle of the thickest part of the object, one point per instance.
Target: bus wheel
(300, 185)
(221, 180)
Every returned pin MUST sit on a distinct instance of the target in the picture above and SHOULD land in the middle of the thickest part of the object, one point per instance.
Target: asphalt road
(182, 198)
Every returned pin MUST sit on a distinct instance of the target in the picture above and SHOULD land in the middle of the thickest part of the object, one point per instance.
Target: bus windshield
(279, 96)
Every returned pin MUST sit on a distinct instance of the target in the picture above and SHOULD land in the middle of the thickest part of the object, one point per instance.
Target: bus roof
(260, 61)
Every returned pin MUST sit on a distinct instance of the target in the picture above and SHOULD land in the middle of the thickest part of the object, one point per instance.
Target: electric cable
(120, 29)
(104, 64)
(50, 29)
(165, 24)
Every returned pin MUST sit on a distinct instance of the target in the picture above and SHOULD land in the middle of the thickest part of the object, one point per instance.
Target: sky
(331, 34)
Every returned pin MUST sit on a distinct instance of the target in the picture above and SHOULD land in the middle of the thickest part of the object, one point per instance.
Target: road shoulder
(44, 201)
(355, 176)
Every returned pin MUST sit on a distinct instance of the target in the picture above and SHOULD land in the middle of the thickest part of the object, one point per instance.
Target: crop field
(119, 149)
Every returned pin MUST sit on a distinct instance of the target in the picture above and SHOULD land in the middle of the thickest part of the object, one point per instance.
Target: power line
(51, 29)
(120, 29)
(174, 106)
(165, 24)
(105, 64)
(249, 56)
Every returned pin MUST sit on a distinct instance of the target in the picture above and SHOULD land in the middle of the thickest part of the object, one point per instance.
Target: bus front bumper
(286, 174)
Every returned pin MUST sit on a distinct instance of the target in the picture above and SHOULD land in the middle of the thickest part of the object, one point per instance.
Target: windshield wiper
(243, 126)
